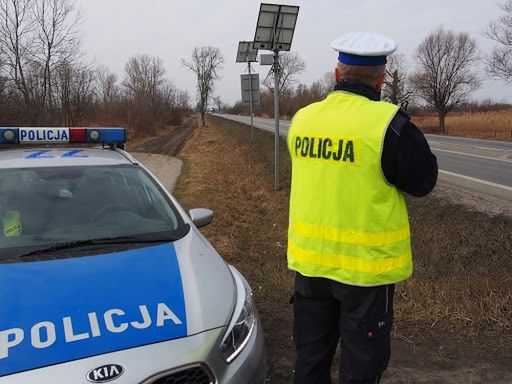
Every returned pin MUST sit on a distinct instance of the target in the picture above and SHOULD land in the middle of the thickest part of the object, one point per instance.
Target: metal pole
(276, 116)
(250, 102)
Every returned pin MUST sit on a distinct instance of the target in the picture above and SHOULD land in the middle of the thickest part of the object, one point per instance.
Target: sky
(114, 30)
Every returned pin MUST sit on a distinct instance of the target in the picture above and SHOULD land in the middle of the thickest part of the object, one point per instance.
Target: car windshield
(40, 207)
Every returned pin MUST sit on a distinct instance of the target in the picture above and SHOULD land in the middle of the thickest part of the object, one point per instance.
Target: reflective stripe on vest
(346, 222)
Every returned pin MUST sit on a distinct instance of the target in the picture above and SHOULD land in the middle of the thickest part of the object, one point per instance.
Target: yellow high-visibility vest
(347, 223)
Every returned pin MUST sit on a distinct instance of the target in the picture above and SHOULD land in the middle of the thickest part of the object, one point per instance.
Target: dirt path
(158, 154)
(169, 141)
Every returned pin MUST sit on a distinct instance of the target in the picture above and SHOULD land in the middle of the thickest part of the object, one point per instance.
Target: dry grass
(462, 284)
(225, 171)
(461, 292)
(495, 125)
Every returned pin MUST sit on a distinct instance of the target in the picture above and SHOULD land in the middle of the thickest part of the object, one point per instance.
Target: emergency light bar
(32, 135)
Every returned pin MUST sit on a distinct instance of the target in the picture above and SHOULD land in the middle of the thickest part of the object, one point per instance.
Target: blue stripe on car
(56, 311)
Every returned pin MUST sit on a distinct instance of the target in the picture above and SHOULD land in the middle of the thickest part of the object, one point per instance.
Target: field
(494, 125)
(453, 318)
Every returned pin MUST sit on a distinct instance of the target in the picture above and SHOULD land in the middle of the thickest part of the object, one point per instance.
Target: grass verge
(461, 292)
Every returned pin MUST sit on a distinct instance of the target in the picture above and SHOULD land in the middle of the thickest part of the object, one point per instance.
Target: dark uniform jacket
(407, 161)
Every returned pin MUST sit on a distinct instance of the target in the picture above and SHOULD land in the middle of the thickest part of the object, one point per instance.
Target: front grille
(198, 374)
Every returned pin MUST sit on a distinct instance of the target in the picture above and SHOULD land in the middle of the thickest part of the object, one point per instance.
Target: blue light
(107, 135)
(9, 135)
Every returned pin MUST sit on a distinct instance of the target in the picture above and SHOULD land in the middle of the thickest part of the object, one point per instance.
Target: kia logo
(105, 373)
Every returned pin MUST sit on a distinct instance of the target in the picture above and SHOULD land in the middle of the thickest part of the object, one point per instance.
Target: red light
(77, 135)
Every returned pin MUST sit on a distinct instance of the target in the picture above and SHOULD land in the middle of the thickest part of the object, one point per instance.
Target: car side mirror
(201, 216)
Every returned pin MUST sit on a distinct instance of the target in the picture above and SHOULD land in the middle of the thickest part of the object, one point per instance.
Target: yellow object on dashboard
(12, 224)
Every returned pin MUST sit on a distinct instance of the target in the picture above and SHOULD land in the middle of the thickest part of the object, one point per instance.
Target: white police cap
(363, 48)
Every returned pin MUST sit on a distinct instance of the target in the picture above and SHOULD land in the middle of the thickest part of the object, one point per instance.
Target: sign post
(247, 54)
(276, 118)
(250, 102)
(274, 32)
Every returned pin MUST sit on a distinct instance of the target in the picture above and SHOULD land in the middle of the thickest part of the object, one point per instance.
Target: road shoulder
(490, 200)
(167, 169)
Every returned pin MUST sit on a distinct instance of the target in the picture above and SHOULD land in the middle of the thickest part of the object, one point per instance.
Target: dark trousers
(327, 312)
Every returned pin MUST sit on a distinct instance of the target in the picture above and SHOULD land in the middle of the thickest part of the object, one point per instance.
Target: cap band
(369, 61)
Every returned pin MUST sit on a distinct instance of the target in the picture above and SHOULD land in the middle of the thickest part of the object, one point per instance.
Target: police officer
(353, 156)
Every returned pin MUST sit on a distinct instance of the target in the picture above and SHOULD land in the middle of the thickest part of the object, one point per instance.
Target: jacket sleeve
(407, 161)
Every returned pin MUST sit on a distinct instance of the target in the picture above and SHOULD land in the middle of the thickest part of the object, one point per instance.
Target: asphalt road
(480, 165)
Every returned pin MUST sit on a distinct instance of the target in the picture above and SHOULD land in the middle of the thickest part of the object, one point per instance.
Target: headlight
(242, 323)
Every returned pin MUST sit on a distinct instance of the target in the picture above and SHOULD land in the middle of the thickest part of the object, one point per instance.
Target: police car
(105, 278)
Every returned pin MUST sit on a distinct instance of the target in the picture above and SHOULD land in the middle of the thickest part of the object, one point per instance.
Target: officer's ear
(337, 74)
(380, 81)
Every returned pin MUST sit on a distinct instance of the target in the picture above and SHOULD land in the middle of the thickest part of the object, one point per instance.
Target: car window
(59, 204)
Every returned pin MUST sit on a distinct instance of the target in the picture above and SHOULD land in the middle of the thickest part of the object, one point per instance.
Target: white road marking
(469, 154)
(270, 129)
(465, 145)
(505, 187)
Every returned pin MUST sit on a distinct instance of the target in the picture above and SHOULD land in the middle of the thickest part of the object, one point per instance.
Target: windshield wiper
(139, 239)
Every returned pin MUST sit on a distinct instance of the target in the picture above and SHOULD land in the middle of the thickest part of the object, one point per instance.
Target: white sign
(44, 135)
(246, 88)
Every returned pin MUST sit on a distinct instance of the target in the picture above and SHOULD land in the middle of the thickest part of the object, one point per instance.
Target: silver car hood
(61, 312)
(209, 286)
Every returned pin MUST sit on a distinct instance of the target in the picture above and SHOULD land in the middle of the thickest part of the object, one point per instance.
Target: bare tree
(329, 82)
(168, 94)
(146, 99)
(444, 78)
(44, 81)
(397, 88)
(5, 96)
(56, 40)
(291, 65)
(319, 89)
(217, 102)
(499, 62)
(144, 76)
(182, 100)
(73, 86)
(16, 27)
(144, 85)
(206, 63)
(106, 86)
(35, 36)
